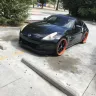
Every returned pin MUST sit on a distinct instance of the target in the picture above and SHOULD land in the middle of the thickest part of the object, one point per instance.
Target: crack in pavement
(10, 82)
(89, 84)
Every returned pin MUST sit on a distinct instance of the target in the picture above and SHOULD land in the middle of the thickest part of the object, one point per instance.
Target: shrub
(13, 12)
(3, 21)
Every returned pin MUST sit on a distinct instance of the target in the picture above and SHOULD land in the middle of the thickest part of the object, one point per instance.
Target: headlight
(51, 36)
(22, 27)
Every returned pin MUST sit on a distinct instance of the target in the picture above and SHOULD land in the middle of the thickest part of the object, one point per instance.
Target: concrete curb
(66, 90)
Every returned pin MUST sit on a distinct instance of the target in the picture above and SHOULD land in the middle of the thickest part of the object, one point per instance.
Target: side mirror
(44, 18)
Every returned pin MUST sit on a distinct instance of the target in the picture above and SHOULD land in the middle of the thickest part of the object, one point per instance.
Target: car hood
(42, 29)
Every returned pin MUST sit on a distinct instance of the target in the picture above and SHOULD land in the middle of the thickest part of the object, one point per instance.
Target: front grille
(33, 45)
(32, 39)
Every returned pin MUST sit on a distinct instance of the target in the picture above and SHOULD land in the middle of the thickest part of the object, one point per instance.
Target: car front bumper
(39, 46)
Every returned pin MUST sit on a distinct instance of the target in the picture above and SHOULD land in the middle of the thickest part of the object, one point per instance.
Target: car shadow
(15, 43)
(56, 63)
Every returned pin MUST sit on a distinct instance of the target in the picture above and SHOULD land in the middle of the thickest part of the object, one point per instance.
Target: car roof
(65, 16)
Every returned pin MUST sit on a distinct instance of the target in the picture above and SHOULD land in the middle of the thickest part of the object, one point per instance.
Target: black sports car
(54, 34)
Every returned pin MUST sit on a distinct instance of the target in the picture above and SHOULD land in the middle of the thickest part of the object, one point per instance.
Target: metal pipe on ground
(66, 90)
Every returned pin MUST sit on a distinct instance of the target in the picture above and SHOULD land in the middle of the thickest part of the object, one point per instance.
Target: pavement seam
(89, 84)
(11, 82)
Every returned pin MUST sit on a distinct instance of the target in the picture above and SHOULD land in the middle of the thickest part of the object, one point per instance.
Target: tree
(81, 8)
(57, 4)
(34, 2)
(42, 2)
(13, 12)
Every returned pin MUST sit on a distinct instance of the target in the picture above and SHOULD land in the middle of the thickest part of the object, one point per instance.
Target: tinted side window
(78, 22)
(78, 25)
(52, 19)
(85, 28)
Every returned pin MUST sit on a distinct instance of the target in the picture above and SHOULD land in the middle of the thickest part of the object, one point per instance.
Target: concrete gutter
(66, 90)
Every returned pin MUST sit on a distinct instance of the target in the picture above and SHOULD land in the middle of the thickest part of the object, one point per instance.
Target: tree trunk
(42, 5)
(54, 4)
(57, 5)
(33, 5)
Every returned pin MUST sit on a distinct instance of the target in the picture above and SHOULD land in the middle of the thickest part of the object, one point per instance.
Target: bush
(3, 21)
(13, 12)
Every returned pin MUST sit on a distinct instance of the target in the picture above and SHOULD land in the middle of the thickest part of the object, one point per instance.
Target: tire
(61, 46)
(85, 36)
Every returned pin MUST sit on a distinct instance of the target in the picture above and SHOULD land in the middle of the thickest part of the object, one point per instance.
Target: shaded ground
(64, 63)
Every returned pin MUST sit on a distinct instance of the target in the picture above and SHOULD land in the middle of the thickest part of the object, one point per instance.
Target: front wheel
(61, 47)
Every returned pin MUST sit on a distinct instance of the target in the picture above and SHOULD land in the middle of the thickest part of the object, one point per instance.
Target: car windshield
(61, 21)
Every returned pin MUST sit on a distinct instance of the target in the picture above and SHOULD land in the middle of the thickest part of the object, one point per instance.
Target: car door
(76, 33)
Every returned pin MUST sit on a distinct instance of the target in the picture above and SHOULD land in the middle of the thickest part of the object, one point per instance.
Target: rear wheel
(61, 47)
(85, 36)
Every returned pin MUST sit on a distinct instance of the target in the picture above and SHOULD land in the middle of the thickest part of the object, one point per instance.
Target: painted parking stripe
(18, 53)
(3, 57)
(14, 54)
